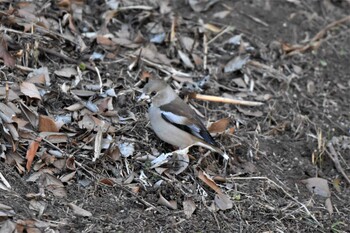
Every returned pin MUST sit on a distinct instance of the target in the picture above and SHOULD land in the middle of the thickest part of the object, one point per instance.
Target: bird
(174, 121)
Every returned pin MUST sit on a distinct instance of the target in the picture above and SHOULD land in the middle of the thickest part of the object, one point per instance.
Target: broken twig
(224, 100)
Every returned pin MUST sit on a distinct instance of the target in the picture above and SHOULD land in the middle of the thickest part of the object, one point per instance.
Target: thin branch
(224, 100)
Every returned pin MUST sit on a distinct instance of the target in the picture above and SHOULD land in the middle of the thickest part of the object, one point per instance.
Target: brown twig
(224, 100)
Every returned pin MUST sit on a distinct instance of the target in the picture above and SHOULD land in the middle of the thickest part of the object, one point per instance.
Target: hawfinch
(174, 121)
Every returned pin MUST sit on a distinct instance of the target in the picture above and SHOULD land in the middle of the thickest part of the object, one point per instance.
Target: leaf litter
(69, 113)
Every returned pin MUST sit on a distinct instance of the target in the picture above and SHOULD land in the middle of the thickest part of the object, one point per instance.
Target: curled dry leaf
(70, 163)
(32, 149)
(114, 153)
(219, 126)
(108, 182)
(208, 181)
(165, 202)
(185, 59)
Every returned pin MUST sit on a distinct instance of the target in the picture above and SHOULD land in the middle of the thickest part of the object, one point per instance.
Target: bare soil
(272, 153)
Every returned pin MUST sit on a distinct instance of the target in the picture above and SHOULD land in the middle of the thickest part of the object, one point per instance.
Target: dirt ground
(301, 131)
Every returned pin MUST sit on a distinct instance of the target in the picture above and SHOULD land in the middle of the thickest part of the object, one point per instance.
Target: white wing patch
(175, 118)
(181, 120)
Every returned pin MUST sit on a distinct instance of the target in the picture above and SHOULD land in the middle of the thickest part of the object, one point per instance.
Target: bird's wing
(179, 114)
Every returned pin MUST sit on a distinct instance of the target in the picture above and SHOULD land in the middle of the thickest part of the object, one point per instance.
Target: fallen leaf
(189, 207)
(40, 76)
(8, 226)
(53, 185)
(47, 124)
(30, 90)
(201, 5)
(221, 14)
(208, 181)
(219, 126)
(5, 55)
(126, 149)
(223, 201)
(165, 202)
(329, 206)
(79, 211)
(185, 59)
(70, 163)
(33, 148)
(66, 72)
(249, 112)
(68, 177)
(236, 63)
(107, 182)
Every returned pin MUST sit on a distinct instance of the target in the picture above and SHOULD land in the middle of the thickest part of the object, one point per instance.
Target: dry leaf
(79, 211)
(5, 55)
(56, 138)
(212, 28)
(66, 72)
(189, 207)
(221, 14)
(107, 182)
(201, 5)
(185, 59)
(52, 184)
(33, 148)
(169, 204)
(30, 90)
(219, 126)
(182, 162)
(70, 163)
(29, 115)
(126, 149)
(68, 177)
(114, 154)
(329, 206)
(47, 124)
(8, 227)
(236, 63)
(208, 181)
(223, 201)
(249, 112)
(40, 76)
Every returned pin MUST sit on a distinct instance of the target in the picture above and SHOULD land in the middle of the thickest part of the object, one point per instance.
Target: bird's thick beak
(144, 97)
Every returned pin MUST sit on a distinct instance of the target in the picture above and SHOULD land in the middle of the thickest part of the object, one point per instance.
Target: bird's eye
(153, 93)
